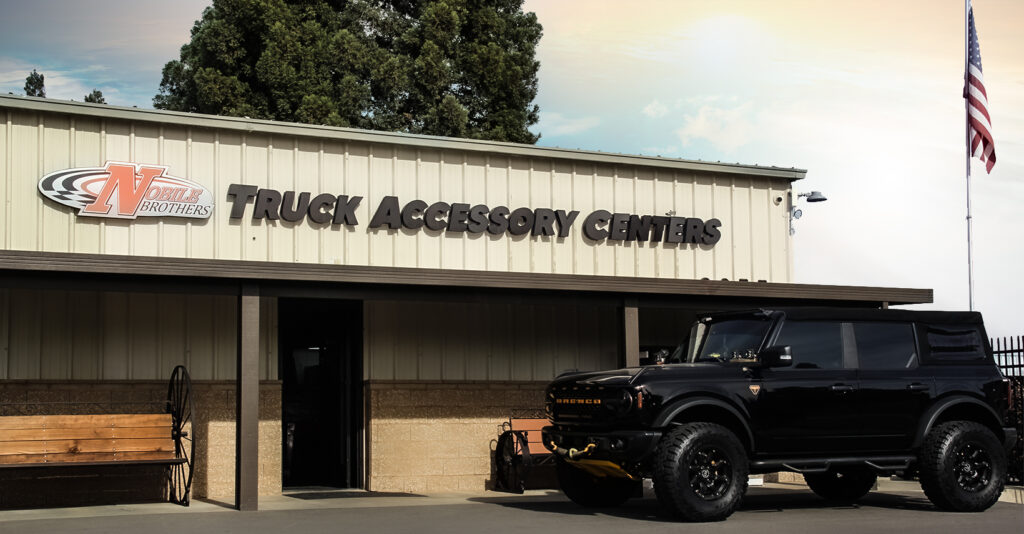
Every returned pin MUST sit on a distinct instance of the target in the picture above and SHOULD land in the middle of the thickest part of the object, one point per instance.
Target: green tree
(95, 97)
(462, 68)
(34, 85)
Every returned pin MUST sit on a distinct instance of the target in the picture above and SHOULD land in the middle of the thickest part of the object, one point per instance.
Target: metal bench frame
(519, 449)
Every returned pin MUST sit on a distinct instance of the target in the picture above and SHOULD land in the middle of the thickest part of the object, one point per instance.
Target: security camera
(778, 200)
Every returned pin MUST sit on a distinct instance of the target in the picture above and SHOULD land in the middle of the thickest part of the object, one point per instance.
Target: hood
(696, 372)
(650, 373)
(601, 378)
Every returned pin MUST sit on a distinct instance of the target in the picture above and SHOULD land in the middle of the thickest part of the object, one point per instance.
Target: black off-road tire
(842, 485)
(962, 467)
(700, 472)
(592, 491)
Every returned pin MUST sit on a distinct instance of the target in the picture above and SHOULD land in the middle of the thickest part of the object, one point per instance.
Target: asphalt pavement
(772, 508)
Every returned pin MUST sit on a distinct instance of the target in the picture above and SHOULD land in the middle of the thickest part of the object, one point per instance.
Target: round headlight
(619, 404)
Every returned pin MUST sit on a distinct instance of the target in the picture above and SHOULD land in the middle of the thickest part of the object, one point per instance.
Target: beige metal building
(378, 302)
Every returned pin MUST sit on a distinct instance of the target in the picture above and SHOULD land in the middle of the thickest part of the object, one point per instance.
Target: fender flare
(674, 409)
(933, 413)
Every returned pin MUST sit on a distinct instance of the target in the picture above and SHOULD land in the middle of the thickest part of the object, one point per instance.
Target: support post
(247, 400)
(630, 334)
(967, 136)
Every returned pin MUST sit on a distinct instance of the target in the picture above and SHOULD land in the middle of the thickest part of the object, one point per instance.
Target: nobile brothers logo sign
(126, 191)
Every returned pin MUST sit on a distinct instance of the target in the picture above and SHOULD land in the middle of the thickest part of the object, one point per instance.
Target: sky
(863, 94)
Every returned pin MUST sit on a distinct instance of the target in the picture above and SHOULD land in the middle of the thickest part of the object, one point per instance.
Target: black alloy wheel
(973, 467)
(700, 472)
(710, 473)
(962, 466)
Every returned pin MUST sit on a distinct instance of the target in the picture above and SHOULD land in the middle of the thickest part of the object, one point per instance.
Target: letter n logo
(125, 187)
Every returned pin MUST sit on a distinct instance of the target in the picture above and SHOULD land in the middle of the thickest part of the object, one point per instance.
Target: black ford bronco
(839, 395)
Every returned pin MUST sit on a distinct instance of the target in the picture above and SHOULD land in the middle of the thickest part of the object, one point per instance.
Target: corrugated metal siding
(755, 243)
(90, 335)
(665, 327)
(412, 340)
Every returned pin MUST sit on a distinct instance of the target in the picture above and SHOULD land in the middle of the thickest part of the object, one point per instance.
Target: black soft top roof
(864, 314)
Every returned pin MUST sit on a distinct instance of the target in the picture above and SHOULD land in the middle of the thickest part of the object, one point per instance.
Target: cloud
(659, 150)
(870, 110)
(556, 124)
(655, 110)
(62, 84)
(727, 129)
(80, 46)
(701, 100)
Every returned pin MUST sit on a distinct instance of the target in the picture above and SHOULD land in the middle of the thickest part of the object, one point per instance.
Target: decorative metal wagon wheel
(511, 458)
(181, 407)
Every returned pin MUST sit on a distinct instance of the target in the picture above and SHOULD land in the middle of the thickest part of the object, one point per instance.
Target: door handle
(917, 386)
(842, 388)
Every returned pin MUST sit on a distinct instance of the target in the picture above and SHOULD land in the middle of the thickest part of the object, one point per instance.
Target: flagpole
(967, 136)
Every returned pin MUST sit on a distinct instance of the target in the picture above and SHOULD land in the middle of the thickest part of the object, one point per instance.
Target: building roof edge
(246, 125)
(264, 271)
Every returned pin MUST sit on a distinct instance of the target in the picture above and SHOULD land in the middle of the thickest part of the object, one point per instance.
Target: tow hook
(573, 453)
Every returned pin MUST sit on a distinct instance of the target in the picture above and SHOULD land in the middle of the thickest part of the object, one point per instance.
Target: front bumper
(620, 446)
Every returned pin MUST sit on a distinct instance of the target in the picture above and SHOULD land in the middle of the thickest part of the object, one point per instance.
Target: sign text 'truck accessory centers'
(126, 191)
(326, 208)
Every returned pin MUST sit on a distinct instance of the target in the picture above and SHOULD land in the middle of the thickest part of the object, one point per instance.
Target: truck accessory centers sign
(459, 217)
(129, 190)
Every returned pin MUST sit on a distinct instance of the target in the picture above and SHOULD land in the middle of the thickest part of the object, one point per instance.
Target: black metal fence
(1009, 355)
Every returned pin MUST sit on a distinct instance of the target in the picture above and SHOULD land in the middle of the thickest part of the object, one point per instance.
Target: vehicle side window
(814, 344)
(957, 344)
(885, 345)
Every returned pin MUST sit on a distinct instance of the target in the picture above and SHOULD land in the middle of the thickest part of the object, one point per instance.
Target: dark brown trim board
(273, 272)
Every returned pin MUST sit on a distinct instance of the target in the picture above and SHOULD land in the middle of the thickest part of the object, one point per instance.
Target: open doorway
(320, 358)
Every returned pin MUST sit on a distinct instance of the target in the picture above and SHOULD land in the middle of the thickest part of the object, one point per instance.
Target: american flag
(979, 123)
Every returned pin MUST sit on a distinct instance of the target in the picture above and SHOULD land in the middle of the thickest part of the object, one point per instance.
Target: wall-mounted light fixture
(796, 213)
(813, 196)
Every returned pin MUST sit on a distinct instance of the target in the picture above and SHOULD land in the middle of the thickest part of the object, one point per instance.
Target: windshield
(736, 339)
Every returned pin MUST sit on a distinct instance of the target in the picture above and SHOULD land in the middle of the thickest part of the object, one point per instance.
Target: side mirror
(777, 356)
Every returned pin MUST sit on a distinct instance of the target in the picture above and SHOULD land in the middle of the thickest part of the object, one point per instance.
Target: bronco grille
(577, 403)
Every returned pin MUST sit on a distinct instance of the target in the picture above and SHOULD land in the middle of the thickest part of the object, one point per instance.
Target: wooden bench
(86, 439)
(109, 439)
(519, 449)
(531, 432)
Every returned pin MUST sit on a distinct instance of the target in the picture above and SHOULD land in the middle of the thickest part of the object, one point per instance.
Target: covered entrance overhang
(248, 281)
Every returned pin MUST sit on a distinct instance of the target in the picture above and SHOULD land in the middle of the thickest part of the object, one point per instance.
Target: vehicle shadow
(759, 501)
(772, 500)
(642, 509)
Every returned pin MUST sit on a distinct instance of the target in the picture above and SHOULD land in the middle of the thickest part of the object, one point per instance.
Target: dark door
(894, 393)
(320, 367)
(808, 407)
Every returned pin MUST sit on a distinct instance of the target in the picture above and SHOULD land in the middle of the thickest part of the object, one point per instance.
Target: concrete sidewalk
(1011, 494)
(323, 499)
